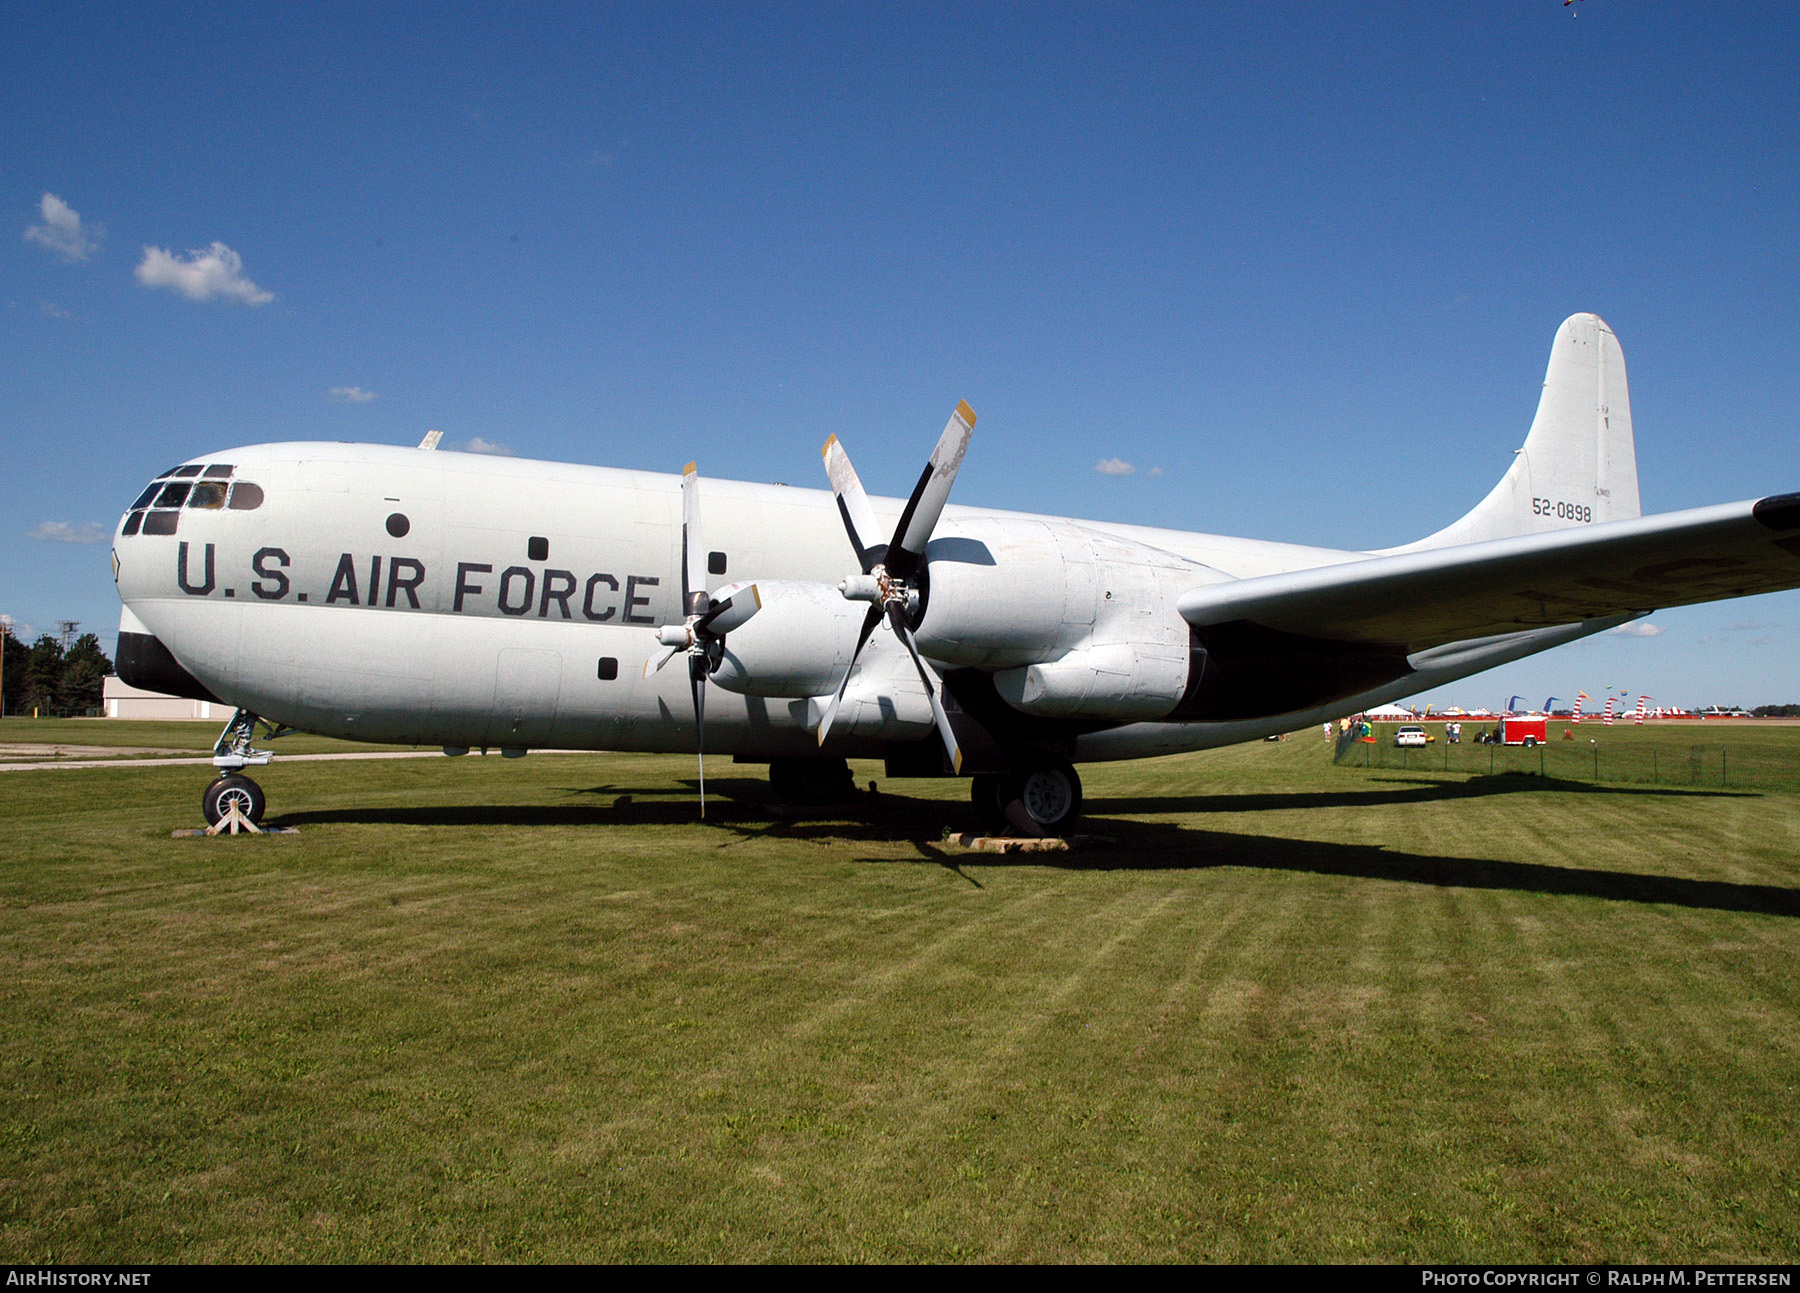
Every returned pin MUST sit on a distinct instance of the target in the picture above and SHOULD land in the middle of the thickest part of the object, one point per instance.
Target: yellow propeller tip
(964, 412)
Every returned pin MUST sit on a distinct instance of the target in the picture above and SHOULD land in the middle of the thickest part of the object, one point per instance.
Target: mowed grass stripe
(536, 1010)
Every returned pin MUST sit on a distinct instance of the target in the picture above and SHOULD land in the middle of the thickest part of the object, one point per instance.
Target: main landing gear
(1039, 800)
(231, 755)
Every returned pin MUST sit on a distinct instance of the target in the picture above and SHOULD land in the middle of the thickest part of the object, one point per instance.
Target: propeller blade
(868, 626)
(655, 663)
(928, 676)
(853, 505)
(907, 551)
(732, 611)
(693, 549)
(697, 684)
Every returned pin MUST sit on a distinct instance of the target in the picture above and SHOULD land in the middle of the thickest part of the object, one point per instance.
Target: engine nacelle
(1073, 622)
(1119, 681)
(798, 644)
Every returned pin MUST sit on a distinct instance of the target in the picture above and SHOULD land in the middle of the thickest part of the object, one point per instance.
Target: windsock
(1639, 720)
(1580, 696)
(1606, 717)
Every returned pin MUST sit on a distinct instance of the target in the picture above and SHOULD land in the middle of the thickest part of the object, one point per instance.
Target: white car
(1411, 735)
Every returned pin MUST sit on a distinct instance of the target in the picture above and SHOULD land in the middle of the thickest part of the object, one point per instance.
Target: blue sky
(1306, 260)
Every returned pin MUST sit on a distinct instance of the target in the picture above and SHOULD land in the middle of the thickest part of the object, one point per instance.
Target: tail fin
(1579, 464)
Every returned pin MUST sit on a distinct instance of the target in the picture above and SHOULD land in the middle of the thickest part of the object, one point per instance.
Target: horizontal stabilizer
(1423, 598)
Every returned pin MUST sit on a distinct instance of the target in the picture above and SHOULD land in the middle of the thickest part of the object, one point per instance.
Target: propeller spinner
(892, 572)
(709, 617)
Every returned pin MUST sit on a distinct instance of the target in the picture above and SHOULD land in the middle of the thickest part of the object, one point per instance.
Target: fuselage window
(208, 494)
(246, 497)
(192, 469)
(219, 471)
(160, 522)
(143, 499)
(174, 494)
(537, 548)
(132, 522)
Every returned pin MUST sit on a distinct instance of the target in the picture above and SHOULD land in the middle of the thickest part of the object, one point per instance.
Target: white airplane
(426, 597)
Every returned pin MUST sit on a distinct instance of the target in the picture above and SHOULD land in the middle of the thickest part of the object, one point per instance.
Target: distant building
(120, 700)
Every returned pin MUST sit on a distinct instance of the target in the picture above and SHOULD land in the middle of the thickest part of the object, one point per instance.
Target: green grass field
(1295, 1010)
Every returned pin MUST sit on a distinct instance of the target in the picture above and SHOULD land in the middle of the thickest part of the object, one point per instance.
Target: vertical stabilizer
(1579, 464)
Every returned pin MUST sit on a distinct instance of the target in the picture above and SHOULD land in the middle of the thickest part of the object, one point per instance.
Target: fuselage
(431, 597)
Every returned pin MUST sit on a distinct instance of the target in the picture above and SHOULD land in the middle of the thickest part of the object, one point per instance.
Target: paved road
(205, 760)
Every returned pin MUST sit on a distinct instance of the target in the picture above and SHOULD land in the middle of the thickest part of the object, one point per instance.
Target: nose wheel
(233, 790)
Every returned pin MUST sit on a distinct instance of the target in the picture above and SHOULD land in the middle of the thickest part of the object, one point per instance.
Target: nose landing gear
(232, 753)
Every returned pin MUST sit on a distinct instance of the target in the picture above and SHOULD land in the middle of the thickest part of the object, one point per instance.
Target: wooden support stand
(233, 823)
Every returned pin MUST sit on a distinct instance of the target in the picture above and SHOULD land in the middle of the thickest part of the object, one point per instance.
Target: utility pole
(6, 623)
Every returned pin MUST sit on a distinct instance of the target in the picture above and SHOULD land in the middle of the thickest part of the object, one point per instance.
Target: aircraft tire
(1041, 800)
(232, 788)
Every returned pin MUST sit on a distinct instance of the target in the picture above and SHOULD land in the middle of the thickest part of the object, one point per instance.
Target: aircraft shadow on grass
(744, 807)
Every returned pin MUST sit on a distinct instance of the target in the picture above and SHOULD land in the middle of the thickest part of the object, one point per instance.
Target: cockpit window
(245, 497)
(192, 469)
(218, 470)
(132, 523)
(174, 494)
(143, 499)
(207, 494)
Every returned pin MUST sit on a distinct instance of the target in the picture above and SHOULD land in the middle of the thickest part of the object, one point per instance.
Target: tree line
(45, 677)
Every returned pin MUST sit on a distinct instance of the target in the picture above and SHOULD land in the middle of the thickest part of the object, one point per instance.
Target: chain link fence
(1746, 756)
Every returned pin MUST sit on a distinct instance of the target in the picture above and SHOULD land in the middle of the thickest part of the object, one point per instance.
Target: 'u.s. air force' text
(394, 583)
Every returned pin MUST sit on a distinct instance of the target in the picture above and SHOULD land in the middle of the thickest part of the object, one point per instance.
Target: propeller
(708, 617)
(892, 572)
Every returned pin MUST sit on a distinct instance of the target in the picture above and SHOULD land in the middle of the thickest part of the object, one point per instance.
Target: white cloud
(1638, 629)
(1114, 467)
(350, 395)
(61, 231)
(1156, 471)
(54, 310)
(63, 532)
(213, 271)
(477, 445)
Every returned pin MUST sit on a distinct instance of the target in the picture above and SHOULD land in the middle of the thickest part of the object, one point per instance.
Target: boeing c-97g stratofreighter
(427, 597)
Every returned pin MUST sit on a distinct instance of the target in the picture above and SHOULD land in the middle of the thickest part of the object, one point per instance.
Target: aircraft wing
(1420, 599)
